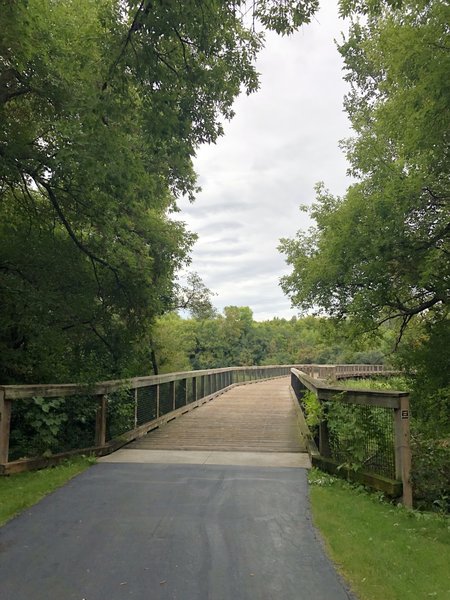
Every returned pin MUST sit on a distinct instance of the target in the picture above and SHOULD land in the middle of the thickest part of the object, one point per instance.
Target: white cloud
(283, 139)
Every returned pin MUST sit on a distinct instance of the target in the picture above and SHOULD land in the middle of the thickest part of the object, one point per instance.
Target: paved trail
(155, 531)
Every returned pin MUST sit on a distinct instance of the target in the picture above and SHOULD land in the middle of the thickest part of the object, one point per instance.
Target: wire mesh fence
(120, 413)
(361, 437)
(147, 404)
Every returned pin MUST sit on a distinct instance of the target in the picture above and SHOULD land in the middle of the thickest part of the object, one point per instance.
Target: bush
(430, 473)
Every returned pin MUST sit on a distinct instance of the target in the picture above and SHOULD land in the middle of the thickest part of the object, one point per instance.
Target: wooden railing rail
(146, 402)
(324, 448)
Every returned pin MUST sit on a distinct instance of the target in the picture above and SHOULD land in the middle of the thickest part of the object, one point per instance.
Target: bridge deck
(259, 417)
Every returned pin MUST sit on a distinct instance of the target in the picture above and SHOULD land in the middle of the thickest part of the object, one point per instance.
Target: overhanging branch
(54, 201)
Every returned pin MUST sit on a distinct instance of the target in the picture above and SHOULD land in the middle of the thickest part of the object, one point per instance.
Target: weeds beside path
(384, 552)
(18, 492)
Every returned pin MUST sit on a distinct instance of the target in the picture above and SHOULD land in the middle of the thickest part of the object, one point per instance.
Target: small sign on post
(403, 449)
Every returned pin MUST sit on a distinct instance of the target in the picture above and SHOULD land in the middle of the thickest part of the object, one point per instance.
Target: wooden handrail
(61, 390)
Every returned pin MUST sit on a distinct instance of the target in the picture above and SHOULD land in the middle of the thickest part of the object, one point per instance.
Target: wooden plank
(15, 392)
(252, 417)
(361, 397)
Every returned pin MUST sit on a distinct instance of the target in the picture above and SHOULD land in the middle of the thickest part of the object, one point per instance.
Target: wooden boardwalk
(258, 417)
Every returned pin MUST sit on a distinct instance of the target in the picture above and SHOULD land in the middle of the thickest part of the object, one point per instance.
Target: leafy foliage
(381, 252)
(430, 472)
(45, 426)
(102, 106)
(40, 426)
(234, 338)
(313, 410)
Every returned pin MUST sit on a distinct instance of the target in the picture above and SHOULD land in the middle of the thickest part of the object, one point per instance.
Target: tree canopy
(102, 106)
(381, 252)
(234, 338)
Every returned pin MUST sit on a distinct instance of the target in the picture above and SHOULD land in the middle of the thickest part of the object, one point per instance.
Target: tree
(382, 251)
(102, 106)
(195, 298)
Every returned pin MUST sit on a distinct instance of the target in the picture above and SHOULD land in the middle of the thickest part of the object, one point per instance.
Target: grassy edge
(20, 491)
(381, 551)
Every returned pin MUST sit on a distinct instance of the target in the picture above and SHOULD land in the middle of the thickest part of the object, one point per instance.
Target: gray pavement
(156, 531)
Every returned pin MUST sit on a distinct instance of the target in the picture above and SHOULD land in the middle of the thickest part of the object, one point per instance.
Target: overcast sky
(283, 139)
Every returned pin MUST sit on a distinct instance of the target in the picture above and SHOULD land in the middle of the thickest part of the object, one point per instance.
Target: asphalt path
(155, 531)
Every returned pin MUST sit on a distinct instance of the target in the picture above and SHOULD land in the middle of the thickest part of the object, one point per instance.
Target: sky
(282, 141)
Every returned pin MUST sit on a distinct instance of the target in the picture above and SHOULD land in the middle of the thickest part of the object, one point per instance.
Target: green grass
(397, 383)
(19, 491)
(385, 552)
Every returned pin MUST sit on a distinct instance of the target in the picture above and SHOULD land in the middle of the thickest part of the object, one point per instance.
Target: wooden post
(5, 423)
(157, 401)
(403, 449)
(172, 393)
(135, 407)
(194, 389)
(100, 421)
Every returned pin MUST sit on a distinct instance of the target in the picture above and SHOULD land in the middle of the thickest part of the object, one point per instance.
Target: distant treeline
(235, 338)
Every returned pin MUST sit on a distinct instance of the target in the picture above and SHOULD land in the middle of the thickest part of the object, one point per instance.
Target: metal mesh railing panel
(121, 413)
(190, 390)
(201, 387)
(146, 406)
(362, 435)
(206, 385)
(165, 398)
(180, 393)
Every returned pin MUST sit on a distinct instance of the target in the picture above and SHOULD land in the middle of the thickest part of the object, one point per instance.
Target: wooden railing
(384, 454)
(116, 412)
